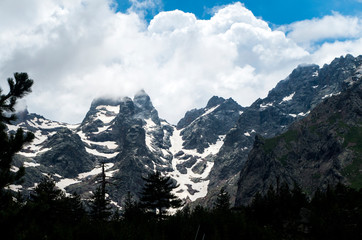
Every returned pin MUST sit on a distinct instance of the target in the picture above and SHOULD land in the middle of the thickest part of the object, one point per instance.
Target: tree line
(283, 212)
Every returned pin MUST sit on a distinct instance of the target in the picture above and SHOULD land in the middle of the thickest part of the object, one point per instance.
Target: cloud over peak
(80, 50)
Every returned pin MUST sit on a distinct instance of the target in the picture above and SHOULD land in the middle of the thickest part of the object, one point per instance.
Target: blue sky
(78, 50)
(276, 12)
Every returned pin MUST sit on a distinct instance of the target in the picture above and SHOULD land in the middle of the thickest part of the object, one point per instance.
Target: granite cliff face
(323, 148)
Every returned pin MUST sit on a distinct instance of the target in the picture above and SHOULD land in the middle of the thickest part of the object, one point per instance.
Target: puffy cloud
(328, 51)
(79, 50)
(335, 26)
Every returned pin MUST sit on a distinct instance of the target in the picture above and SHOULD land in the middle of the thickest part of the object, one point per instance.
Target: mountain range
(310, 120)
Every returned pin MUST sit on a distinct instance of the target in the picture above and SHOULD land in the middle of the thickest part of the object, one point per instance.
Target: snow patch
(288, 98)
(14, 169)
(177, 145)
(31, 164)
(113, 109)
(330, 95)
(95, 171)
(63, 183)
(12, 127)
(176, 141)
(266, 105)
(195, 182)
(302, 114)
(106, 113)
(214, 148)
(150, 126)
(96, 153)
(111, 173)
(111, 145)
(15, 188)
(102, 129)
(42, 123)
(115, 204)
(209, 111)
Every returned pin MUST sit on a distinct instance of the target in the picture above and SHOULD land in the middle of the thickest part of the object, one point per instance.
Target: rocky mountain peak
(21, 116)
(105, 101)
(142, 100)
(144, 108)
(203, 127)
(343, 61)
(214, 101)
(126, 107)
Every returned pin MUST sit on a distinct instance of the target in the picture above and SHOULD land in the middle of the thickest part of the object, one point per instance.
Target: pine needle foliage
(12, 143)
(157, 197)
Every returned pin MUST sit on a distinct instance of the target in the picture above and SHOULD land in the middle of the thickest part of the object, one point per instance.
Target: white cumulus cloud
(77, 50)
(335, 26)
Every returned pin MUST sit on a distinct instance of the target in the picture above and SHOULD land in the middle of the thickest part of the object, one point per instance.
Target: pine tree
(222, 202)
(100, 210)
(46, 192)
(50, 213)
(44, 207)
(157, 196)
(131, 209)
(10, 144)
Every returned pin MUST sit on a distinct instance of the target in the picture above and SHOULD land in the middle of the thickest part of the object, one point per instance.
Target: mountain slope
(127, 136)
(291, 100)
(323, 148)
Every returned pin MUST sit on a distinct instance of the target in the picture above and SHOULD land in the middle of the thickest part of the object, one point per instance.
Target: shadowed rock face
(323, 148)
(203, 127)
(291, 100)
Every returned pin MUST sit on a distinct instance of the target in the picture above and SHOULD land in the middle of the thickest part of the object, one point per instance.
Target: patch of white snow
(95, 171)
(31, 164)
(288, 98)
(96, 153)
(266, 105)
(63, 183)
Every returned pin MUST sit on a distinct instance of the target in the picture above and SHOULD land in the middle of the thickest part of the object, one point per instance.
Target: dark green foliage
(17, 89)
(13, 143)
(288, 137)
(157, 196)
(279, 209)
(10, 144)
(132, 211)
(100, 210)
(337, 213)
(48, 213)
(46, 192)
(222, 202)
(283, 213)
